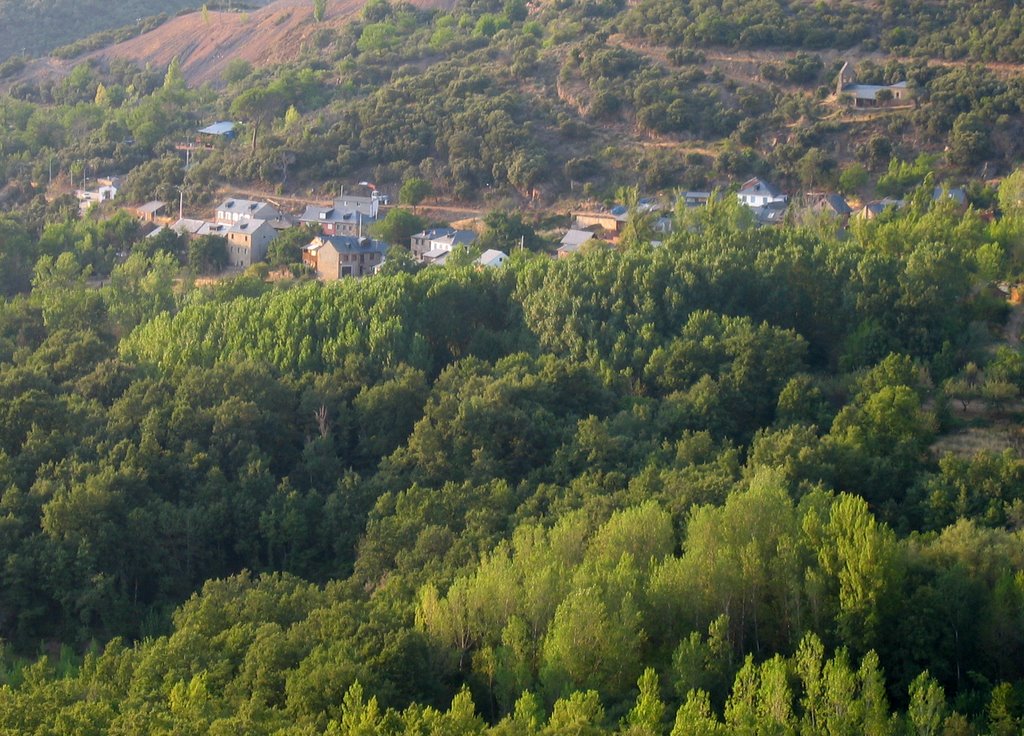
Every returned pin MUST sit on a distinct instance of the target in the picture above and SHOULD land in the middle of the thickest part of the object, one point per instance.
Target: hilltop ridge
(36, 27)
(205, 43)
(272, 34)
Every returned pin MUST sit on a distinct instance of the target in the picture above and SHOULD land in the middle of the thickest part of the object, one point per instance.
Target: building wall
(419, 247)
(332, 265)
(328, 263)
(245, 249)
(239, 252)
(587, 219)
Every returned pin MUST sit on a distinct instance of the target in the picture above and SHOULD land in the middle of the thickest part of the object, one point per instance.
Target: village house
(336, 257)
(349, 214)
(572, 241)
(420, 242)
(869, 95)
(187, 226)
(612, 221)
(231, 211)
(696, 199)
(829, 203)
(957, 194)
(334, 220)
(151, 211)
(873, 209)
(757, 193)
(222, 129)
(191, 228)
(104, 191)
(368, 205)
(492, 259)
(430, 245)
(772, 213)
(248, 241)
(436, 257)
(214, 228)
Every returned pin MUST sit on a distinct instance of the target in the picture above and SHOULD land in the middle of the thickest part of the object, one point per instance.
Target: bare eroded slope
(205, 43)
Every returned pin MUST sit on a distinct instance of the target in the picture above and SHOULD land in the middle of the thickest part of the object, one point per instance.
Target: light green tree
(874, 704)
(580, 714)
(695, 717)
(1002, 720)
(1011, 194)
(140, 288)
(645, 718)
(174, 79)
(414, 191)
(927, 706)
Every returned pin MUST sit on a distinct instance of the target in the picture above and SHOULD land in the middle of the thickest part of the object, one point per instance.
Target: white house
(757, 193)
(105, 190)
(431, 242)
(492, 259)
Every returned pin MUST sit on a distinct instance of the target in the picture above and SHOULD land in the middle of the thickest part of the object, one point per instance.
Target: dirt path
(753, 59)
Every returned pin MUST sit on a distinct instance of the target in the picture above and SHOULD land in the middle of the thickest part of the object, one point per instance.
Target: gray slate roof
(758, 186)
(349, 244)
(152, 207)
(224, 127)
(249, 208)
(576, 237)
(454, 238)
(834, 203)
(325, 215)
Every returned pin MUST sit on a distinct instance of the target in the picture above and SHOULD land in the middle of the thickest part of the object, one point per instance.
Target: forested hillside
(511, 103)
(709, 479)
(681, 488)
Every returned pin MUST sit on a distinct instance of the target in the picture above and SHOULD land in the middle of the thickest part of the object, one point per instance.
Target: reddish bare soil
(270, 35)
(204, 46)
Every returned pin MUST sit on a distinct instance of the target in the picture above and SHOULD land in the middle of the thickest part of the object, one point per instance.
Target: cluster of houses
(341, 247)
(768, 204)
(339, 250)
